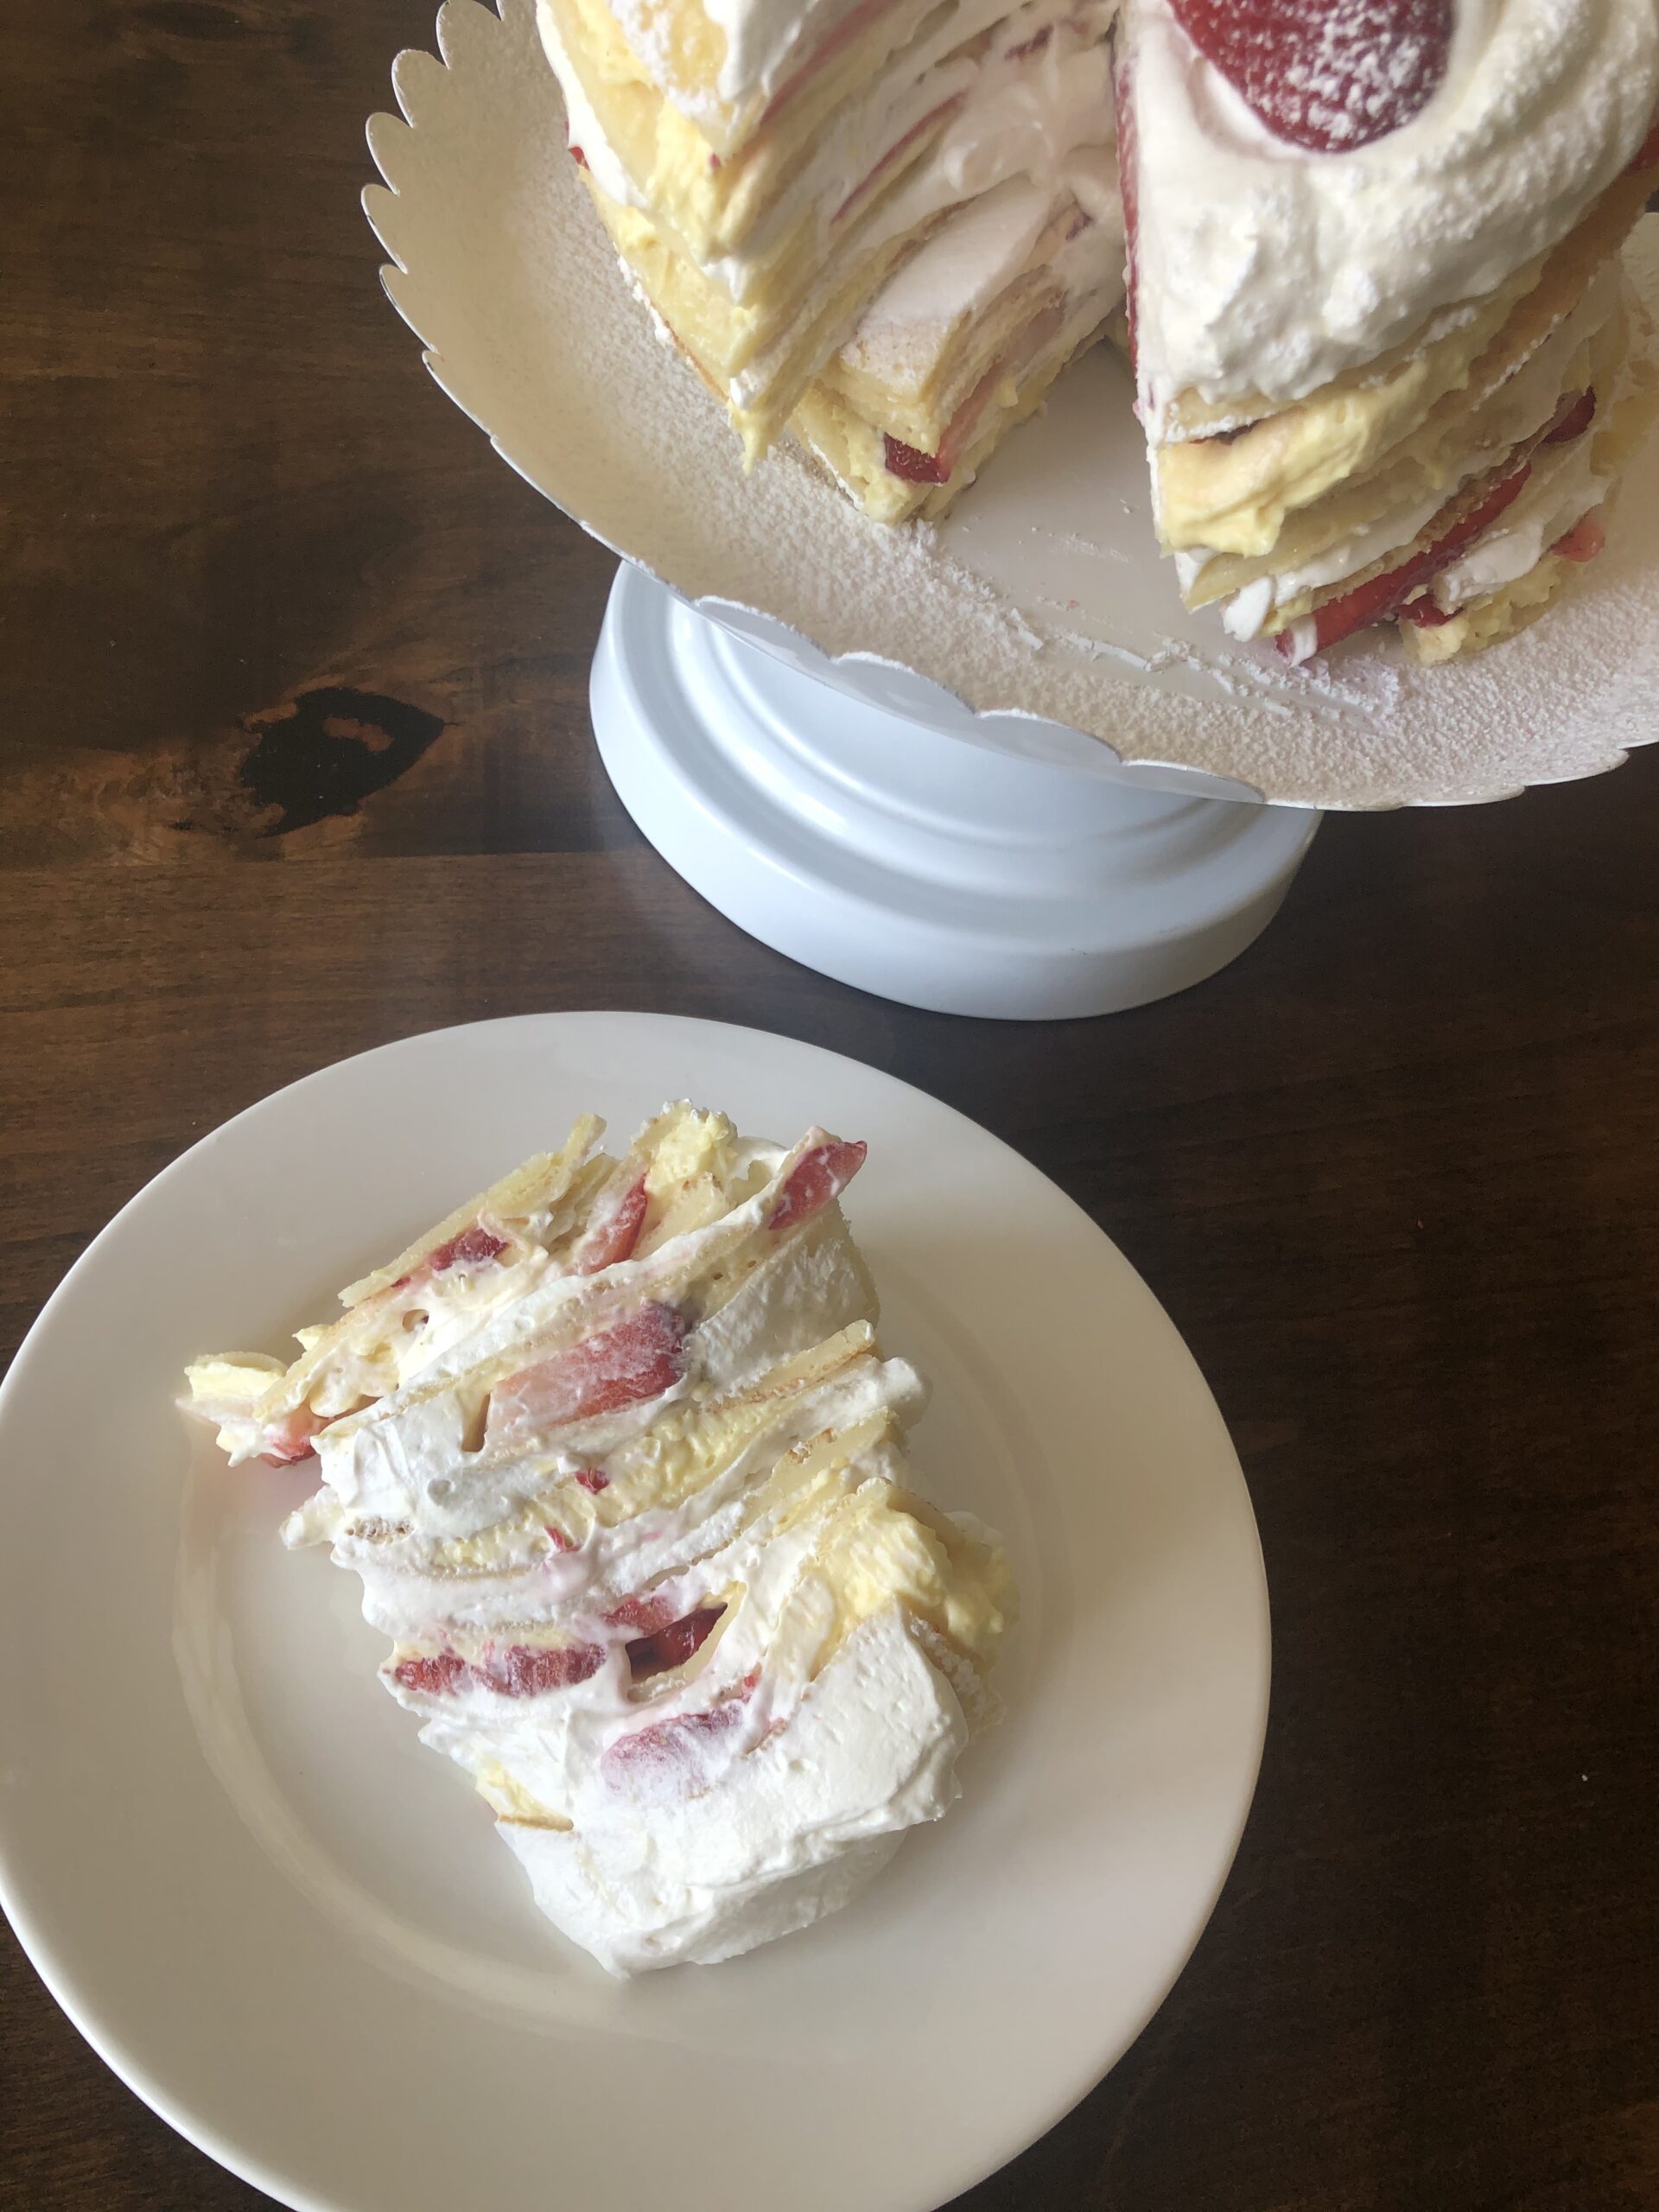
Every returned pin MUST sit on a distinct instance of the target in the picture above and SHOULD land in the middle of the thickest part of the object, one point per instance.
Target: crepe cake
(965, 338)
(1386, 361)
(619, 1462)
(764, 169)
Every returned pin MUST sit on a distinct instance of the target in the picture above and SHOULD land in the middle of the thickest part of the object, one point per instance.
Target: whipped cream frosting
(701, 1652)
(1263, 267)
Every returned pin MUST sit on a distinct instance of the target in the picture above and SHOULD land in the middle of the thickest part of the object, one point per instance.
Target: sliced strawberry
(1427, 612)
(290, 1438)
(673, 1645)
(643, 1615)
(914, 467)
(630, 1361)
(668, 1760)
(910, 465)
(529, 1670)
(1330, 75)
(579, 157)
(1575, 419)
(856, 20)
(1584, 541)
(471, 1248)
(557, 1538)
(816, 1178)
(933, 117)
(521, 1670)
(439, 1674)
(1386, 594)
(615, 1236)
(591, 1479)
(1034, 45)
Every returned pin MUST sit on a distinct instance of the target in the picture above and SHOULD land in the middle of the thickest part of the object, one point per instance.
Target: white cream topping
(1264, 267)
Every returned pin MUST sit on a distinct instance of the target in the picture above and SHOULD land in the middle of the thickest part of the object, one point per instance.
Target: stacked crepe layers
(619, 1463)
(768, 174)
(1389, 363)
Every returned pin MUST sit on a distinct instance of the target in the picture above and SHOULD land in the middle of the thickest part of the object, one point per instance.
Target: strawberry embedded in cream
(519, 1671)
(1579, 413)
(670, 1758)
(816, 1178)
(473, 1248)
(1328, 75)
(292, 1437)
(673, 1645)
(1584, 541)
(1385, 596)
(630, 1361)
(613, 1238)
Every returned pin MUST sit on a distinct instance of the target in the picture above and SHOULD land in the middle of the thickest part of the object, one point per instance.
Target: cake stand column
(908, 861)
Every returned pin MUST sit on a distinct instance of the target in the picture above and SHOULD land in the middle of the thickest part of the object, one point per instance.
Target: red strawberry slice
(930, 121)
(290, 1438)
(1386, 594)
(1579, 414)
(673, 1645)
(856, 19)
(471, 1248)
(1427, 612)
(615, 1236)
(909, 464)
(816, 1178)
(521, 1670)
(917, 468)
(623, 1365)
(591, 1479)
(1584, 541)
(1330, 75)
(644, 1615)
(669, 1759)
(579, 157)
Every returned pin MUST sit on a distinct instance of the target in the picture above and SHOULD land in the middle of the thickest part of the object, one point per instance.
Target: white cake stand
(993, 768)
(898, 857)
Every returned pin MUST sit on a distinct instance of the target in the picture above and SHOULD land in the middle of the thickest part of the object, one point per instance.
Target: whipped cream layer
(635, 1520)
(1263, 269)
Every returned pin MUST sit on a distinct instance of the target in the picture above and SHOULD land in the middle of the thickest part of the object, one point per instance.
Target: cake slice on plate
(631, 1501)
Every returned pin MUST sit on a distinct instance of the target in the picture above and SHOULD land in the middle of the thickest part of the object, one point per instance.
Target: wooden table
(297, 760)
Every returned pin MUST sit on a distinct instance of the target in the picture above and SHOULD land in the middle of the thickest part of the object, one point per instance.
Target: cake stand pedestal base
(909, 861)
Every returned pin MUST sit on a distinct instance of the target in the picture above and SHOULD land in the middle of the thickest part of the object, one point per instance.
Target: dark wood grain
(295, 760)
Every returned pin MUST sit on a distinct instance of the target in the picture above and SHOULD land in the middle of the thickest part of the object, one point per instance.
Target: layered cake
(1386, 357)
(618, 1457)
(1387, 360)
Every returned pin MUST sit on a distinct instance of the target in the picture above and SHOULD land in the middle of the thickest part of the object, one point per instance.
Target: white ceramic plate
(291, 1929)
